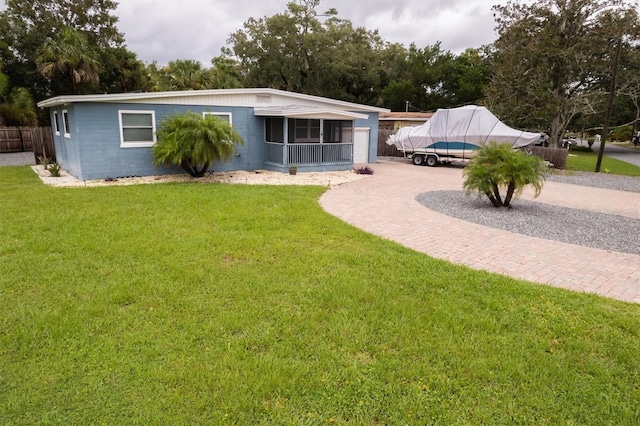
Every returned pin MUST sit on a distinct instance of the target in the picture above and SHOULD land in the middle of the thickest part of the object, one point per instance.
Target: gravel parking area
(17, 159)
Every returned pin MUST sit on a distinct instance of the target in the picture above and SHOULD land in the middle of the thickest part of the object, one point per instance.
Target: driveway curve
(385, 205)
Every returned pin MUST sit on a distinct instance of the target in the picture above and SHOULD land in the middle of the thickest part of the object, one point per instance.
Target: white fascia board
(305, 112)
(150, 96)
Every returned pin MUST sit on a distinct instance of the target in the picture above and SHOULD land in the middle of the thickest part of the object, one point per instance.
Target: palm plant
(193, 142)
(497, 166)
(18, 108)
(69, 53)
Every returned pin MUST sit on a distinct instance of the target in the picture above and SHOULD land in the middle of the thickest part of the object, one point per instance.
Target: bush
(366, 170)
(193, 142)
(497, 166)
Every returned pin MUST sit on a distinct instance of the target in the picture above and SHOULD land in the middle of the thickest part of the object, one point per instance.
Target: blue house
(100, 136)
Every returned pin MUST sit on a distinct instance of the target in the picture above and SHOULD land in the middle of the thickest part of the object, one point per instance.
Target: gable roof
(257, 98)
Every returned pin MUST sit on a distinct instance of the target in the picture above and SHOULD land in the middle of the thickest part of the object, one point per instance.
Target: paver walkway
(384, 204)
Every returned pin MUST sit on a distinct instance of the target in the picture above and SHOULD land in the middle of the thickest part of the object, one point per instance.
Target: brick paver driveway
(384, 204)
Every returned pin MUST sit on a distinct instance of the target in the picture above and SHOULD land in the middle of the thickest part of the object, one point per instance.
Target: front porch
(309, 156)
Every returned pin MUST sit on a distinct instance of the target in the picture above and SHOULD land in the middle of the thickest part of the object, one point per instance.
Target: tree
(25, 25)
(431, 78)
(18, 108)
(549, 60)
(225, 73)
(496, 167)
(122, 71)
(299, 52)
(69, 53)
(193, 142)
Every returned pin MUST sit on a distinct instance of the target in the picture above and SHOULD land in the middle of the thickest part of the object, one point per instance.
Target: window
(65, 123)
(304, 130)
(274, 129)
(56, 123)
(137, 129)
(221, 115)
(337, 131)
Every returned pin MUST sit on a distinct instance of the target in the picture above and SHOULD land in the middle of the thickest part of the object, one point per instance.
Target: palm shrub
(193, 142)
(497, 167)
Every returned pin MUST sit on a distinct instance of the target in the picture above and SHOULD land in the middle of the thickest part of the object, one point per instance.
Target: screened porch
(309, 139)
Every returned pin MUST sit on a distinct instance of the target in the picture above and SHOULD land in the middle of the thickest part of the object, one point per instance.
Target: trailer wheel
(418, 160)
(431, 161)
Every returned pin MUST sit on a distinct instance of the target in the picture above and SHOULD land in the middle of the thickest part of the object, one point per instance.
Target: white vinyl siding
(137, 129)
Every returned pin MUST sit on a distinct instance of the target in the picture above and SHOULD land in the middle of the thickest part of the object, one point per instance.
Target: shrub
(193, 142)
(497, 166)
(54, 169)
(366, 170)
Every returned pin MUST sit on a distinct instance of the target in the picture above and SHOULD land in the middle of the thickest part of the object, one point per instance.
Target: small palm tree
(69, 53)
(497, 166)
(193, 142)
(18, 108)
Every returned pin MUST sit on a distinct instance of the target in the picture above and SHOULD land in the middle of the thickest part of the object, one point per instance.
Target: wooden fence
(21, 139)
(556, 156)
(385, 150)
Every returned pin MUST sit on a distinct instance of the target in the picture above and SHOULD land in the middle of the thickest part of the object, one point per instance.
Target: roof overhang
(245, 97)
(295, 111)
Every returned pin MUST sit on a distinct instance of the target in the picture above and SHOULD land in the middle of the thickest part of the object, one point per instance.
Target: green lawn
(585, 161)
(192, 304)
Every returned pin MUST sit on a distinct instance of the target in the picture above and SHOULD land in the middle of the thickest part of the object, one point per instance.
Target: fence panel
(385, 150)
(15, 139)
(43, 145)
(556, 156)
(21, 139)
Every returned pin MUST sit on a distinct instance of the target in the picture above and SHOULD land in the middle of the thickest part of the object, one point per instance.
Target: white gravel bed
(597, 180)
(258, 177)
(556, 223)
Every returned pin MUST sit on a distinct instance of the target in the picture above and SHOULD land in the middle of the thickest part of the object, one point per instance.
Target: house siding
(95, 141)
(67, 148)
(94, 151)
(372, 124)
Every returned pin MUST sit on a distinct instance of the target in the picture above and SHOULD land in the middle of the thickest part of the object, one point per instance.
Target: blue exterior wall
(67, 148)
(93, 149)
(372, 123)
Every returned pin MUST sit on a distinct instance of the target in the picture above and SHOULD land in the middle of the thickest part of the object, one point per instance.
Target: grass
(585, 160)
(191, 303)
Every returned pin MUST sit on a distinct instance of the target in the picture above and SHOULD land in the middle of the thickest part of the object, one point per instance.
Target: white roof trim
(296, 111)
(150, 96)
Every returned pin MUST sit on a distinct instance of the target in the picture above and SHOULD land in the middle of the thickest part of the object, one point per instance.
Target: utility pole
(612, 90)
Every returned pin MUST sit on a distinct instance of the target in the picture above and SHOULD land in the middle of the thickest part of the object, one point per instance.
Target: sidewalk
(385, 205)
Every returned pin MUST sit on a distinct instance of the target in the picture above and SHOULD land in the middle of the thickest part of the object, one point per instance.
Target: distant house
(100, 136)
(395, 120)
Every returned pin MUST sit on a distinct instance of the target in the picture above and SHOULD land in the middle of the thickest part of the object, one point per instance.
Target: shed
(100, 136)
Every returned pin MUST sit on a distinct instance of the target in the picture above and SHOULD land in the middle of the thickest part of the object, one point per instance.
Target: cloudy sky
(164, 30)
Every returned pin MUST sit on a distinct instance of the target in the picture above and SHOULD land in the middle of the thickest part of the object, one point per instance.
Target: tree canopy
(552, 58)
(29, 27)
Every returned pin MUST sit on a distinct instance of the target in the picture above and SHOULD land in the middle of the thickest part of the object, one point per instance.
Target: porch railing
(309, 154)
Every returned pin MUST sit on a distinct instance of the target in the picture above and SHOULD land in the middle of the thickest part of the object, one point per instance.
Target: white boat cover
(469, 126)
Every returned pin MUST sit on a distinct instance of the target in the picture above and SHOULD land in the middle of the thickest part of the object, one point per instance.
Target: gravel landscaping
(17, 159)
(556, 223)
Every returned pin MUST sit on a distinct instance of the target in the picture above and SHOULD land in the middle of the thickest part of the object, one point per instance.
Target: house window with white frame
(65, 124)
(221, 115)
(56, 123)
(137, 129)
